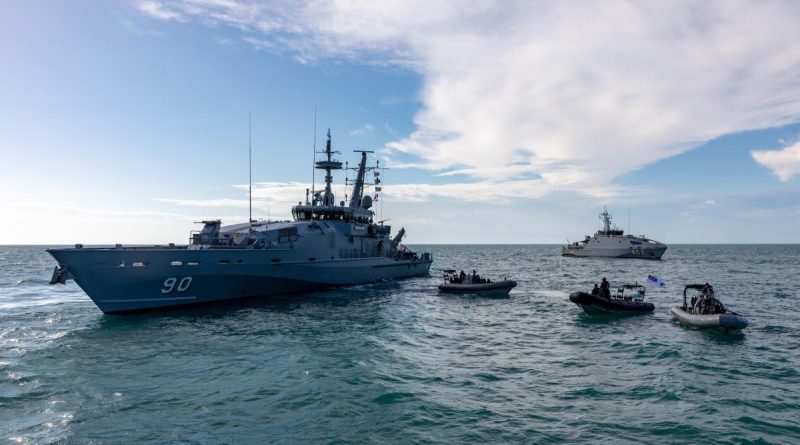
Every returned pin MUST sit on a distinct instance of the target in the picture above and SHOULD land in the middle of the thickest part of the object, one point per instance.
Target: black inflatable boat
(620, 302)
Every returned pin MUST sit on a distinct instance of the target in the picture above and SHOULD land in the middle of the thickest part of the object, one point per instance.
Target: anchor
(60, 275)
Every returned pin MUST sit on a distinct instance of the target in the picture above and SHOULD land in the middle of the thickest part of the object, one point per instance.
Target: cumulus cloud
(783, 163)
(575, 93)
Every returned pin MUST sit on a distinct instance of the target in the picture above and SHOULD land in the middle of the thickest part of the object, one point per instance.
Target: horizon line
(789, 243)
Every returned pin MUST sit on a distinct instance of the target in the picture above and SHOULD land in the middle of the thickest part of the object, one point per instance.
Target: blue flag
(653, 281)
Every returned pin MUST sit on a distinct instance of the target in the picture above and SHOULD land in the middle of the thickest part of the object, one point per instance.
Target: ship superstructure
(611, 242)
(325, 245)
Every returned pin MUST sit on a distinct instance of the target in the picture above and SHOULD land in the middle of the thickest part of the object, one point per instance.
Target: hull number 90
(182, 285)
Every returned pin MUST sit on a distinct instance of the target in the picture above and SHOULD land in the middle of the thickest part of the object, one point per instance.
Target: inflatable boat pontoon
(706, 311)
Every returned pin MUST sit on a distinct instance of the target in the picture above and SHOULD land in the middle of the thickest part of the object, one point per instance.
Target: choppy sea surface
(397, 362)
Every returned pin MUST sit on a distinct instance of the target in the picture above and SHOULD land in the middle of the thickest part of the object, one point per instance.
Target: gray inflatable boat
(706, 311)
(474, 284)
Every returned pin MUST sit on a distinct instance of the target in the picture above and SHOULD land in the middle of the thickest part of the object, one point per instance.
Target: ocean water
(397, 362)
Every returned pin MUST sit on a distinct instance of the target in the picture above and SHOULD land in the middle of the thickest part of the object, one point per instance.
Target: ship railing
(225, 242)
(347, 254)
(196, 238)
(142, 247)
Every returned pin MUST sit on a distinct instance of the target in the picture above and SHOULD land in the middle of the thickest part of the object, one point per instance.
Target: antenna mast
(629, 217)
(376, 194)
(314, 159)
(328, 164)
(250, 161)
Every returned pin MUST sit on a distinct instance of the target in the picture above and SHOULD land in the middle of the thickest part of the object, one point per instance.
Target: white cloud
(281, 196)
(88, 213)
(159, 11)
(363, 130)
(783, 163)
(133, 27)
(212, 203)
(61, 222)
(267, 196)
(576, 93)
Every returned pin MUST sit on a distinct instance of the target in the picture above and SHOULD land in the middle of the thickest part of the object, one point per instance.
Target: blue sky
(125, 121)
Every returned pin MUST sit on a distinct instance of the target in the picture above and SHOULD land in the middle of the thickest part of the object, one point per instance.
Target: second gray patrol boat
(611, 242)
(326, 245)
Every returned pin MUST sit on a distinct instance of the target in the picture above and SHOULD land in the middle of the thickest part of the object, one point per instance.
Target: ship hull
(125, 280)
(654, 253)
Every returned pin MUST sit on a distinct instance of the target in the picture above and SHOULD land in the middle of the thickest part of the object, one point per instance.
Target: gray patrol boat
(326, 245)
(611, 242)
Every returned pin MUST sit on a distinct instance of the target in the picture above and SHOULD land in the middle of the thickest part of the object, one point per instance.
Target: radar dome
(366, 202)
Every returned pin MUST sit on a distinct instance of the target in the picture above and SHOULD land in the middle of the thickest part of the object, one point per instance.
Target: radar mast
(606, 218)
(328, 164)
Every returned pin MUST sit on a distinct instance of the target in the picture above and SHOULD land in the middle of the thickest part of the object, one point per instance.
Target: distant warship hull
(131, 279)
(650, 253)
(611, 242)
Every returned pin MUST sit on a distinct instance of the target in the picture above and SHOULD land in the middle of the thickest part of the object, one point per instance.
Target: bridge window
(301, 215)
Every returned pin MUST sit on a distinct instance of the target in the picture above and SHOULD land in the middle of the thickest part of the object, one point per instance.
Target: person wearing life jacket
(604, 288)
